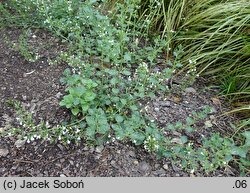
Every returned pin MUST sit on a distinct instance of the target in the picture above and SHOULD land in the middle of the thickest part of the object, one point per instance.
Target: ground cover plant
(120, 59)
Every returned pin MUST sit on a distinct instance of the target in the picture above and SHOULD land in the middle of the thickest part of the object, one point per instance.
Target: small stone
(99, 149)
(62, 175)
(4, 152)
(24, 97)
(71, 162)
(2, 170)
(136, 162)
(165, 166)
(1, 130)
(177, 140)
(144, 166)
(91, 149)
(166, 104)
(20, 143)
(157, 109)
(62, 160)
(60, 146)
(58, 95)
(208, 124)
(86, 148)
(190, 90)
(131, 154)
(160, 172)
(212, 117)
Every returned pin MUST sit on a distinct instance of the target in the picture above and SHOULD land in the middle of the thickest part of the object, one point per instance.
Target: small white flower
(192, 171)
(68, 141)
(28, 141)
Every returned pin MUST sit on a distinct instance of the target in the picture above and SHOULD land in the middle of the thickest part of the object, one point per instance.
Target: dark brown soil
(37, 86)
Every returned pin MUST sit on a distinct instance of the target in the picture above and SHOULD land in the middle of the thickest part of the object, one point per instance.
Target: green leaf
(103, 128)
(171, 127)
(76, 101)
(114, 81)
(115, 90)
(126, 72)
(246, 134)
(190, 121)
(123, 101)
(119, 118)
(90, 121)
(189, 129)
(133, 107)
(67, 72)
(90, 132)
(119, 131)
(89, 96)
(127, 57)
(75, 111)
(137, 138)
(85, 107)
(184, 139)
(240, 151)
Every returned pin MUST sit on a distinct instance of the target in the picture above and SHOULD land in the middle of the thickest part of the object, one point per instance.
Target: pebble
(165, 166)
(62, 175)
(20, 143)
(24, 97)
(165, 104)
(2, 170)
(136, 162)
(99, 149)
(58, 95)
(62, 160)
(4, 152)
(1, 130)
(91, 149)
(177, 140)
(131, 154)
(157, 109)
(190, 90)
(60, 147)
(144, 167)
(159, 172)
(86, 148)
(113, 162)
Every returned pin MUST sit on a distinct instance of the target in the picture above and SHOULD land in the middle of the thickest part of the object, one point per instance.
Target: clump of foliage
(112, 59)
